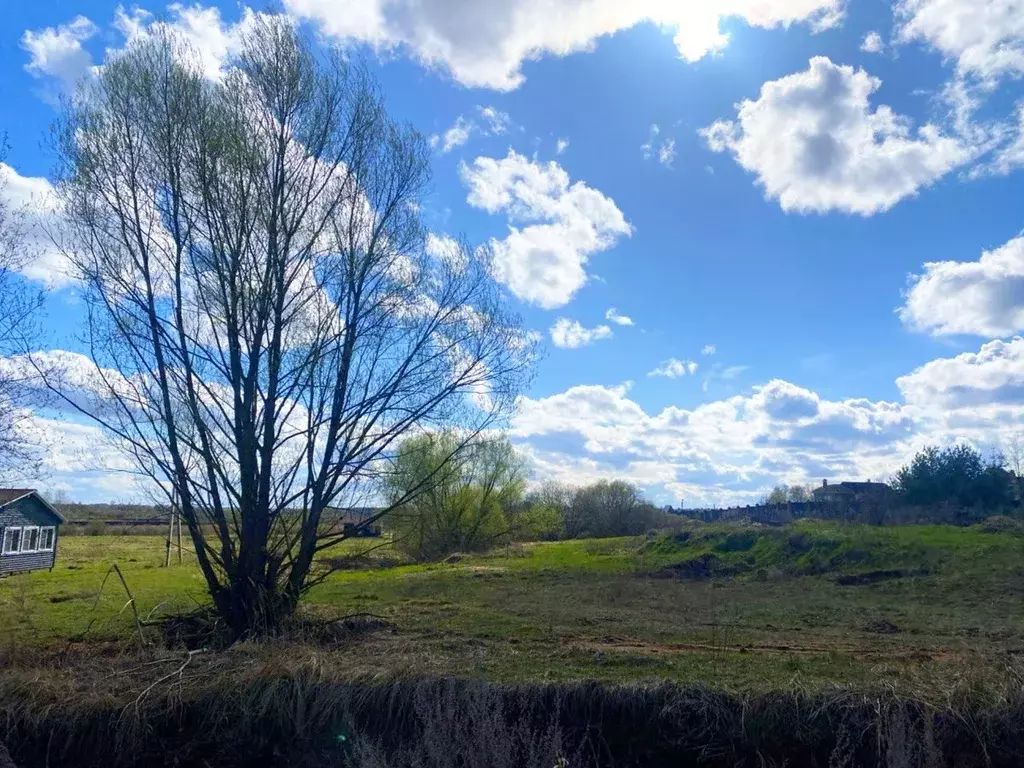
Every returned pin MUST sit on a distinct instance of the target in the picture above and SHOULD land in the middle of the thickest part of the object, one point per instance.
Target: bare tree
(19, 308)
(267, 317)
(799, 493)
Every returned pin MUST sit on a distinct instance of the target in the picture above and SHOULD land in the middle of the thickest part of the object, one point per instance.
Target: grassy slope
(604, 609)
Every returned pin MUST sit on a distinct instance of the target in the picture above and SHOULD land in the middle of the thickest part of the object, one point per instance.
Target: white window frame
(21, 539)
(52, 532)
(25, 531)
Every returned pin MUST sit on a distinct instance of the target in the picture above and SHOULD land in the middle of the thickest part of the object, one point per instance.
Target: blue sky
(757, 189)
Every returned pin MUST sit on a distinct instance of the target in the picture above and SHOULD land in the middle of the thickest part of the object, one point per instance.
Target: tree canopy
(954, 475)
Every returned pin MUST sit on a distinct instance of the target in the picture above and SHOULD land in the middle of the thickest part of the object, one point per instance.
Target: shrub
(458, 494)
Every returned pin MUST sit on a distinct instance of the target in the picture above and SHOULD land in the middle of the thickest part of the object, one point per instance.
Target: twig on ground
(176, 673)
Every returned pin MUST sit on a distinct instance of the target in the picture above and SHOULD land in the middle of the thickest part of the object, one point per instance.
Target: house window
(12, 541)
(46, 536)
(30, 540)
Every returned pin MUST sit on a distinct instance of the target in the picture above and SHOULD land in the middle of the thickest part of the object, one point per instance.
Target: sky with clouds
(763, 240)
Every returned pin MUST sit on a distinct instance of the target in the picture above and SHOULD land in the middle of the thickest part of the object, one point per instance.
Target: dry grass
(285, 704)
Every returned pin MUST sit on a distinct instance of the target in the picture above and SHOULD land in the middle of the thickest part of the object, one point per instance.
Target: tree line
(475, 496)
(949, 483)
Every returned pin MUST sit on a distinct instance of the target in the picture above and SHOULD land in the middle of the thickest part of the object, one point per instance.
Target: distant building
(848, 492)
(29, 527)
(356, 521)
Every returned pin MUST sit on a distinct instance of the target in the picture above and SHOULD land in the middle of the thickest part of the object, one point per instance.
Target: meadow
(812, 604)
(707, 645)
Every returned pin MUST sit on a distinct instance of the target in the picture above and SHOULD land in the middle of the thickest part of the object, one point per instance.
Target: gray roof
(11, 495)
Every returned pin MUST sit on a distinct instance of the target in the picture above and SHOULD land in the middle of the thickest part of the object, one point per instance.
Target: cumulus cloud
(544, 261)
(494, 123)
(732, 450)
(33, 198)
(975, 394)
(561, 145)
(82, 460)
(816, 144)
(675, 369)
(709, 349)
(984, 37)
(485, 44)
(614, 316)
(872, 43)
(570, 334)
(724, 451)
(983, 297)
(203, 28)
(57, 52)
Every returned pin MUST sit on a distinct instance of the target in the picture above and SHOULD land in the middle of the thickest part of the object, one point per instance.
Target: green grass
(772, 616)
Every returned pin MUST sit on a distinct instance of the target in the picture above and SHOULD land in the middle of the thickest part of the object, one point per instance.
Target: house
(847, 493)
(356, 521)
(29, 528)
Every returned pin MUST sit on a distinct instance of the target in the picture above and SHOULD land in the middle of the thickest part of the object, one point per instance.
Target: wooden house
(29, 528)
(355, 521)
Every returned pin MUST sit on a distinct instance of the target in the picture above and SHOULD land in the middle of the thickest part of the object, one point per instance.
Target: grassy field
(919, 609)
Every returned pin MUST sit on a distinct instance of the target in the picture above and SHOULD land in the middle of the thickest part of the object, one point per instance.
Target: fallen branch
(176, 673)
(131, 602)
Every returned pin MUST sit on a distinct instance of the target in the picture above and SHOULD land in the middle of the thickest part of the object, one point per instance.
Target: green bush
(452, 496)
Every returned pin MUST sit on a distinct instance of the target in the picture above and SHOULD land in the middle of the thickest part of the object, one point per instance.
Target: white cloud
(455, 136)
(984, 297)
(448, 250)
(816, 145)
(648, 146)
(561, 146)
(984, 37)
(57, 51)
(34, 198)
(719, 452)
(976, 395)
(485, 44)
(613, 315)
(709, 349)
(542, 262)
(667, 152)
(675, 369)
(211, 38)
(570, 334)
(495, 124)
(872, 43)
(1011, 156)
(732, 450)
(720, 372)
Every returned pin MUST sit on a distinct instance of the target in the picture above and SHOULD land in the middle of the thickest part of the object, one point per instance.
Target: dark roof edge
(38, 495)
